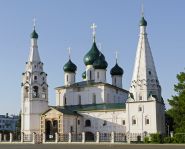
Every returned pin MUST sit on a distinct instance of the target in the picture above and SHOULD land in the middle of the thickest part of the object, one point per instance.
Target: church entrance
(89, 136)
(51, 129)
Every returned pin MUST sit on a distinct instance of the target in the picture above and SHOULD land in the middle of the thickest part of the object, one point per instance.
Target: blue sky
(64, 23)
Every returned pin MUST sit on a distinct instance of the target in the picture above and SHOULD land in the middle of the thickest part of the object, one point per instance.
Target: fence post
(22, 137)
(97, 137)
(34, 139)
(0, 137)
(11, 138)
(69, 137)
(56, 137)
(83, 137)
(5, 137)
(112, 137)
(128, 138)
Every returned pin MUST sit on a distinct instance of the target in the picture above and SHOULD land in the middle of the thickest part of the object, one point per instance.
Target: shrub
(156, 138)
(179, 138)
(146, 139)
(168, 140)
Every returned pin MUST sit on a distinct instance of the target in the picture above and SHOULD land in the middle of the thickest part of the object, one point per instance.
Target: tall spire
(34, 53)
(93, 27)
(144, 81)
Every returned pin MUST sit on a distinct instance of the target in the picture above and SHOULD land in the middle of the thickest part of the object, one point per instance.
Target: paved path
(89, 146)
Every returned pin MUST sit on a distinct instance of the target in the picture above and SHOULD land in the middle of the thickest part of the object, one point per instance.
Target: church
(93, 105)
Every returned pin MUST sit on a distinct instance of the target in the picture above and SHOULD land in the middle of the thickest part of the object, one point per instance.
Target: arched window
(140, 108)
(67, 78)
(65, 100)
(79, 100)
(98, 75)
(87, 123)
(35, 92)
(90, 75)
(133, 120)
(115, 81)
(147, 120)
(94, 99)
(35, 78)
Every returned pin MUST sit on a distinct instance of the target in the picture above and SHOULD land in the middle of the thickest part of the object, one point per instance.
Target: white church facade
(93, 105)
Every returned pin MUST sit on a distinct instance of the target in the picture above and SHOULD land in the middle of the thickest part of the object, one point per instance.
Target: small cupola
(84, 75)
(34, 34)
(143, 22)
(70, 67)
(116, 70)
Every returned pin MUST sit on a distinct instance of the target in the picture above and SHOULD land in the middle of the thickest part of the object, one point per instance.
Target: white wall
(148, 110)
(113, 118)
(104, 94)
(117, 80)
(69, 78)
(100, 75)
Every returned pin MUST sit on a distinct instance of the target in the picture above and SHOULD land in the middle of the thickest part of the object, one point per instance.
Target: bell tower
(34, 90)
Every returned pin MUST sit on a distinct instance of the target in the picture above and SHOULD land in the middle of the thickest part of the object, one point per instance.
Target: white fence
(72, 138)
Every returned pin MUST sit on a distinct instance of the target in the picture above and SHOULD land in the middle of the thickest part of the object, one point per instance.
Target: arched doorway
(89, 136)
(51, 129)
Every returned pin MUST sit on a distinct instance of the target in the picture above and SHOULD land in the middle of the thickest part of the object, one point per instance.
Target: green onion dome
(116, 70)
(34, 34)
(100, 63)
(70, 67)
(143, 22)
(84, 75)
(92, 55)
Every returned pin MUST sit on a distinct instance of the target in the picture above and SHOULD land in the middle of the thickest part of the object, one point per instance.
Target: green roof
(70, 67)
(65, 110)
(34, 34)
(95, 107)
(100, 63)
(92, 55)
(116, 70)
(143, 22)
(90, 83)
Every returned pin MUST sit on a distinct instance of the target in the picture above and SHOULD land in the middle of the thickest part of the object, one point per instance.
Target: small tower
(117, 74)
(91, 57)
(100, 66)
(69, 72)
(34, 90)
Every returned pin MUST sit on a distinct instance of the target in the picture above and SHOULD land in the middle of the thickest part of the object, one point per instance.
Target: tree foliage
(177, 102)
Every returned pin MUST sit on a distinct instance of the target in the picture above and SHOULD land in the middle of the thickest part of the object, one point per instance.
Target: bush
(168, 140)
(146, 140)
(156, 138)
(179, 138)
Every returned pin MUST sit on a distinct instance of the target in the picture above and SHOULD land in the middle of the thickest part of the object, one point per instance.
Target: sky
(66, 23)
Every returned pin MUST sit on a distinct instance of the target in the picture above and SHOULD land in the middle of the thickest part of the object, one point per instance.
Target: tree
(177, 102)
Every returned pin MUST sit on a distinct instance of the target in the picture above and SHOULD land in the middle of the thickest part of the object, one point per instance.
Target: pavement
(92, 146)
